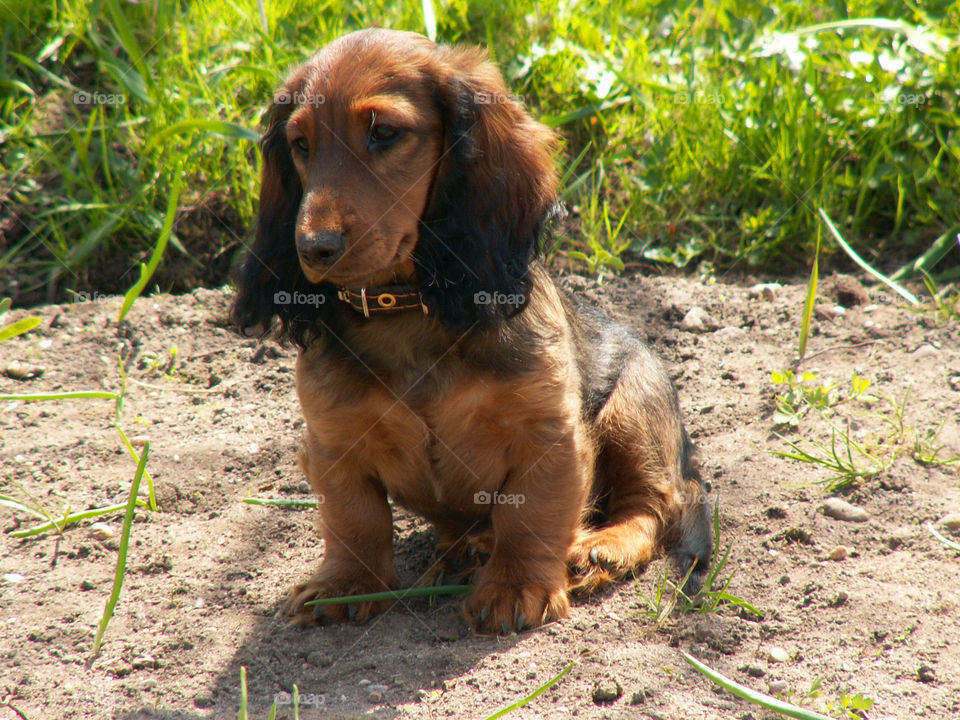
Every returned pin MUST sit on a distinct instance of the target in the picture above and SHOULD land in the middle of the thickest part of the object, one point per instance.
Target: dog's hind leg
(647, 484)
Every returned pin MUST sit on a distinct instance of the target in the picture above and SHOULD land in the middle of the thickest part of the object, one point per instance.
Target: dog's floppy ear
(493, 192)
(271, 275)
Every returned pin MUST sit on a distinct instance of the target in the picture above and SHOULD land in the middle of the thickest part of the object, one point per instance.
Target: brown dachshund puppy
(404, 197)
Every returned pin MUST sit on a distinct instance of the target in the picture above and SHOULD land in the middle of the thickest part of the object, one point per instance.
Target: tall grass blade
(146, 271)
(122, 554)
(216, 127)
(242, 715)
(899, 289)
(133, 453)
(923, 40)
(811, 298)
(929, 259)
(122, 28)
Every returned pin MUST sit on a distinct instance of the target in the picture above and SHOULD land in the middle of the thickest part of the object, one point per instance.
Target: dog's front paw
(592, 564)
(599, 557)
(498, 606)
(322, 586)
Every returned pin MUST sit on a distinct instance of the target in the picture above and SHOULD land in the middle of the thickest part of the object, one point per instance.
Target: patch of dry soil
(206, 571)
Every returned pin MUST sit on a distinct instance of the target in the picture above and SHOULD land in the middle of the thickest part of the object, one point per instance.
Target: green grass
(848, 707)
(818, 409)
(19, 327)
(707, 134)
(667, 597)
(946, 541)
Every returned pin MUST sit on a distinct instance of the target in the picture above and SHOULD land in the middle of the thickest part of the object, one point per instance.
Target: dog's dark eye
(301, 145)
(383, 136)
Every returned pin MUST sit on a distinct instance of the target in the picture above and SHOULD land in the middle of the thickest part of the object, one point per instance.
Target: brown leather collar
(383, 300)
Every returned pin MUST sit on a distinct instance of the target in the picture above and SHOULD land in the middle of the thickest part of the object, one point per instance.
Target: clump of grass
(843, 463)
(847, 460)
(667, 596)
(698, 134)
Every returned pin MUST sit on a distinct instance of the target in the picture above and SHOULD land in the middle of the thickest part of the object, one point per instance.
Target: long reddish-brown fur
(516, 419)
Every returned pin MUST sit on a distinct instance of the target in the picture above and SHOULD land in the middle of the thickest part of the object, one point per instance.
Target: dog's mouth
(387, 261)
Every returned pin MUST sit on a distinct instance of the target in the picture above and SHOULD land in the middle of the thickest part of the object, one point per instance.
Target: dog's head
(391, 160)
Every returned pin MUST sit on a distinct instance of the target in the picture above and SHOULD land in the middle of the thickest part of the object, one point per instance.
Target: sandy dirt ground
(867, 607)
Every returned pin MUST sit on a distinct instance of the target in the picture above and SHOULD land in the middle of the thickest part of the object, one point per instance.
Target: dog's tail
(694, 546)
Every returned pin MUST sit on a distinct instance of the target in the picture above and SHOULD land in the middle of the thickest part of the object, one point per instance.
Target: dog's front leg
(357, 528)
(534, 516)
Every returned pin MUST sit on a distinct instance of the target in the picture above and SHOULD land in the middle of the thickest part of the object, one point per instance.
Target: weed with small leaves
(667, 595)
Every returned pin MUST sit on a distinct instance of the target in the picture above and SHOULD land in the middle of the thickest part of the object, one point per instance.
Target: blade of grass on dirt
(413, 592)
(535, 694)
(72, 518)
(14, 504)
(946, 541)
(758, 698)
(18, 328)
(122, 553)
(281, 502)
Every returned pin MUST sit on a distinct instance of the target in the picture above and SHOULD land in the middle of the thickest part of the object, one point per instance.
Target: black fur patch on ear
(270, 281)
(483, 222)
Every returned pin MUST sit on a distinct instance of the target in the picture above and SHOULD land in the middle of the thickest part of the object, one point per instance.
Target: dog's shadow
(405, 655)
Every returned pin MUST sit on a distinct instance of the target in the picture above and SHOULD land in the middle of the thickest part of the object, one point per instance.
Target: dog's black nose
(320, 247)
